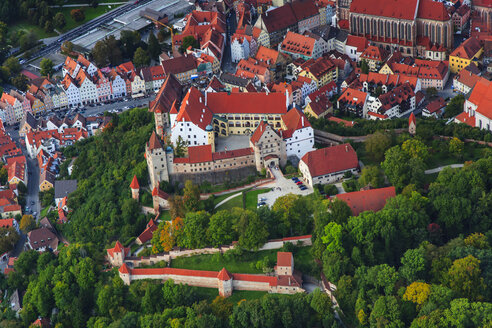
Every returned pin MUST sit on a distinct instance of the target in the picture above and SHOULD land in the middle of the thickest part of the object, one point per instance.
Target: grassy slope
(251, 200)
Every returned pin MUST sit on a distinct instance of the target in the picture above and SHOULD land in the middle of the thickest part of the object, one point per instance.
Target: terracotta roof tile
(367, 200)
(400, 9)
(154, 142)
(134, 184)
(224, 275)
(331, 159)
(284, 259)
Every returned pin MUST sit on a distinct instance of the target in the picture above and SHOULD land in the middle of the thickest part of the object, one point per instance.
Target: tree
(180, 147)
(27, 41)
(455, 106)
(100, 53)
(165, 237)
(395, 167)
(187, 42)
(464, 277)
(252, 232)
(154, 46)
(4, 174)
(477, 240)
(46, 67)
(20, 82)
(59, 20)
(371, 176)
(413, 264)
(77, 15)
(220, 229)
(191, 196)
(48, 26)
(456, 147)
(330, 189)
(377, 144)
(386, 313)
(415, 148)
(27, 223)
(8, 239)
(194, 236)
(13, 65)
(67, 46)
(431, 92)
(364, 66)
(141, 58)
(333, 238)
(130, 41)
(417, 292)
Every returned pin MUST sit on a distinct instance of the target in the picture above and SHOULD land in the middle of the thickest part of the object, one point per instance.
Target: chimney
(346, 148)
(203, 110)
(200, 100)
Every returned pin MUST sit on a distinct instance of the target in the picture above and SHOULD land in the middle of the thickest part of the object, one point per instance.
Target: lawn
(251, 200)
(440, 155)
(220, 198)
(44, 212)
(28, 27)
(90, 13)
(303, 261)
(164, 216)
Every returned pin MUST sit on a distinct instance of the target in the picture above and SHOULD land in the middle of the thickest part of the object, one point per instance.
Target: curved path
(440, 168)
(227, 199)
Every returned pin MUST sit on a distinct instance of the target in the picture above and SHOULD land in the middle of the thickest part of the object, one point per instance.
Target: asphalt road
(227, 65)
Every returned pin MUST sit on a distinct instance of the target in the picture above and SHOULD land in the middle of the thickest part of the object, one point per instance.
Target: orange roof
(341, 121)
(224, 275)
(267, 55)
(331, 159)
(260, 129)
(464, 117)
(353, 96)
(193, 109)
(134, 184)
(294, 120)
(412, 119)
(298, 44)
(467, 78)
(374, 53)
(284, 259)
(124, 269)
(467, 49)
(367, 200)
(433, 10)
(481, 96)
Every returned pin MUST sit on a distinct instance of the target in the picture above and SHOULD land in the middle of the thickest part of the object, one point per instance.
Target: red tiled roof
(6, 223)
(193, 109)
(467, 78)
(374, 53)
(284, 259)
(399, 9)
(247, 103)
(353, 96)
(412, 119)
(434, 10)
(481, 96)
(154, 142)
(170, 92)
(435, 105)
(279, 18)
(260, 129)
(159, 193)
(467, 49)
(134, 184)
(331, 159)
(197, 154)
(464, 117)
(224, 275)
(178, 65)
(367, 200)
(146, 235)
(272, 281)
(348, 124)
(298, 44)
(124, 269)
(294, 120)
(358, 42)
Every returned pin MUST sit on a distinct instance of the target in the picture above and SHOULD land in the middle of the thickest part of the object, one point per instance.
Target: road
(227, 65)
(440, 168)
(76, 32)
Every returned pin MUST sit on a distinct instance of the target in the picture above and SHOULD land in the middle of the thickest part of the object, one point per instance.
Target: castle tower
(124, 274)
(172, 114)
(412, 125)
(117, 254)
(210, 136)
(135, 187)
(225, 283)
(156, 161)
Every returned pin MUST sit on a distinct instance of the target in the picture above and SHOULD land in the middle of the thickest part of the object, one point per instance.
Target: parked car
(295, 179)
(298, 183)
(261, 204)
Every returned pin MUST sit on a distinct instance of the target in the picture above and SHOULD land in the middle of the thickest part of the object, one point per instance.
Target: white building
(297, 133)
(71, 90)
(240, 47)
(118, 85)
(87, 89)
(193, 121)
(477, 108)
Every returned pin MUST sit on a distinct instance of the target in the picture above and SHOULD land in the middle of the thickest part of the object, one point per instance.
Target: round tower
(135, 188)
(210, 136)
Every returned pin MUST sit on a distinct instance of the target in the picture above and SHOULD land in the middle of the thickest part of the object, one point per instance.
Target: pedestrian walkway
(227, 199)
(89, 5)
(440, 168)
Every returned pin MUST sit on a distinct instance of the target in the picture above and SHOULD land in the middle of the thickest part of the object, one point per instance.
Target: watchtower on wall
(225, 283)
(156, 161)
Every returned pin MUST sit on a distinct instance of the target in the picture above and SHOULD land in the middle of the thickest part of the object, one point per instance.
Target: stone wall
(233, 174)
(250, 285)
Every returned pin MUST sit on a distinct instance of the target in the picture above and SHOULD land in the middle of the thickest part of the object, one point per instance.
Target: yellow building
(386, 69)
(468, 52)
(46, 180)
(321, 70)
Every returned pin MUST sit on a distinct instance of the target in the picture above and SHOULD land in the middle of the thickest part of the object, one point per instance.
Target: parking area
(281, 187)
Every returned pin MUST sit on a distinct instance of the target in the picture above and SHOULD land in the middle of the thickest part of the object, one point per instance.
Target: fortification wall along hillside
(232, 174)
(250, 285)
(269, 245)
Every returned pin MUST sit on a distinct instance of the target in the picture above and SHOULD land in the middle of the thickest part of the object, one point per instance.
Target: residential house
(464, 81)
(354, 101)
(466, 53)
(17, 170)
(398, 102)
(146, 235)
(275, 23)
(251, 68)
(355, 46)
(432, 74)
(183, 67)
(434, 108)
(10, 106)
(44, 238)
(318, 103)
(118, 84)
(300, 46)
(322, 70)
(87, 88)
(328, 165)
(71, 89)
(375, 57)
(46, 180)
(274, 60)
(63, 188)
(461, 16)
(325, 37)
(103, 86)
(169, 95)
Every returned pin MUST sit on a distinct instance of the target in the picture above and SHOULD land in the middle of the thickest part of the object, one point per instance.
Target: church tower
(156, 161)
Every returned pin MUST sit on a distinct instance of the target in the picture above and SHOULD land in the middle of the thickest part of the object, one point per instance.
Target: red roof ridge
(124, 269)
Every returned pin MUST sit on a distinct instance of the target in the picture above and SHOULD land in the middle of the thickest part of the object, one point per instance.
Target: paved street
(281, 187)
